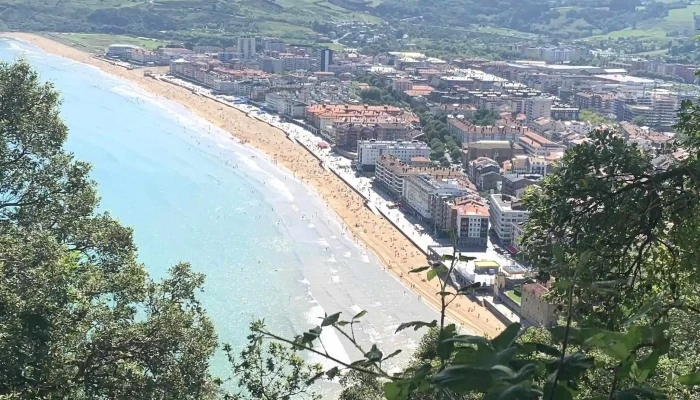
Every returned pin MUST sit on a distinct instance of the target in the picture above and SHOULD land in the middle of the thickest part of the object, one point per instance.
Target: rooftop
(537, 289)
(471, 207)
(507, 203)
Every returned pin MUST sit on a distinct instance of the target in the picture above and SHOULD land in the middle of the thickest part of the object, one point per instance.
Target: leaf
(314, 378)
(584, 258)
(643, 311)
(396, 390)
(311, 335)
(519, 391)
(648, 364)
(447, 257)
(416, 325)
(444, 348)
(342, 323)
(507, 337)
(558, 253)
(435, 271)
(330, 319)
(466, 258)
(542, 348)
(561, 391)
(618, 351)
(417, 270)
(331, 373)
(359, 315)
(690, 379)
(374, 354)
(394, 353)
(468, 339)
(505, 372)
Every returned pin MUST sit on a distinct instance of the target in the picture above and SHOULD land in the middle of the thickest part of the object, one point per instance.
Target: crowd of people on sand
(394, 250)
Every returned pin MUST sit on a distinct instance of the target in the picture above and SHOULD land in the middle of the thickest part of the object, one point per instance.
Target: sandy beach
(396, 252)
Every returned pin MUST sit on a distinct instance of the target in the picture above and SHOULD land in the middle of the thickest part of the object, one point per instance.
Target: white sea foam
(322, 242)
(365, 258)
(305, 282)
(335, 279)
(282, 189)
(332, 259)
(347, 254)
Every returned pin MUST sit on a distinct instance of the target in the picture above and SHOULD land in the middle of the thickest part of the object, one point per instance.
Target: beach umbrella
(323, 145)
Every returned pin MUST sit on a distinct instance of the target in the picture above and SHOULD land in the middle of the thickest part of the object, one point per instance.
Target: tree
(269, 371)
(456, 155)
(79, 317)
(639, 120)
(484, 117)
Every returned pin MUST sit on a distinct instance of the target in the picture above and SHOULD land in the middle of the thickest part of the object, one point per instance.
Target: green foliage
(270, 370)
(594, 118)
(484, 117)
(79, 318)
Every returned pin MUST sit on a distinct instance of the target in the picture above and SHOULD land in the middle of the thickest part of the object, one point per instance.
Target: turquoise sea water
(269, 246)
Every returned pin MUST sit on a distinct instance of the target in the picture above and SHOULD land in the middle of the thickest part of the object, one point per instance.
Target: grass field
(96, 43)
(513, 296)
(678, 20)
(683, 14)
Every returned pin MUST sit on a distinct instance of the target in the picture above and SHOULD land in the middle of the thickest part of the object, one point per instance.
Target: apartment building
(564, 112)
(422, 193)
(538, 145)
(346, 135)
(471, 221)
(499, 150)
(538, 107)
(246, 46)
(467, 132)
(515, 184)
(484, 173)
(401, 84)
(369, 150)
(324, 115)
(603, 103)
(658, 109)
(286, 104)
(390, 173)
(504, 210)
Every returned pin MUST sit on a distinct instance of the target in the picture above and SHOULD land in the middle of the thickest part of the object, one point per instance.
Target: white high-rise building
(504, 211)
(538, 107)
(369, 150)
(246, 46)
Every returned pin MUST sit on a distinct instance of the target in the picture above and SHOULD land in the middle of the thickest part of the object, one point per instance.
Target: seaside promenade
(374, 200)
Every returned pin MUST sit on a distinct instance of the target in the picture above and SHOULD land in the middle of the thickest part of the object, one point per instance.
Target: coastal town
(444, 150)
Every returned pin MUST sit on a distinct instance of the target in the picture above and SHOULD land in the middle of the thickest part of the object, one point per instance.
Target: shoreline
(396, 252)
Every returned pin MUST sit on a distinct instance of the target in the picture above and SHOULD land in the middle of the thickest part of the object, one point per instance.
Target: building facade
(422, 193)
(324, 59)
(369, 150)
(538, 107)
(504, 210)
(467, 132)
(246, 47)
(535, 309)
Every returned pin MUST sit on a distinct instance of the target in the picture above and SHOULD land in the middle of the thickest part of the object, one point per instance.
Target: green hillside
(296, 19)
(175, 18)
